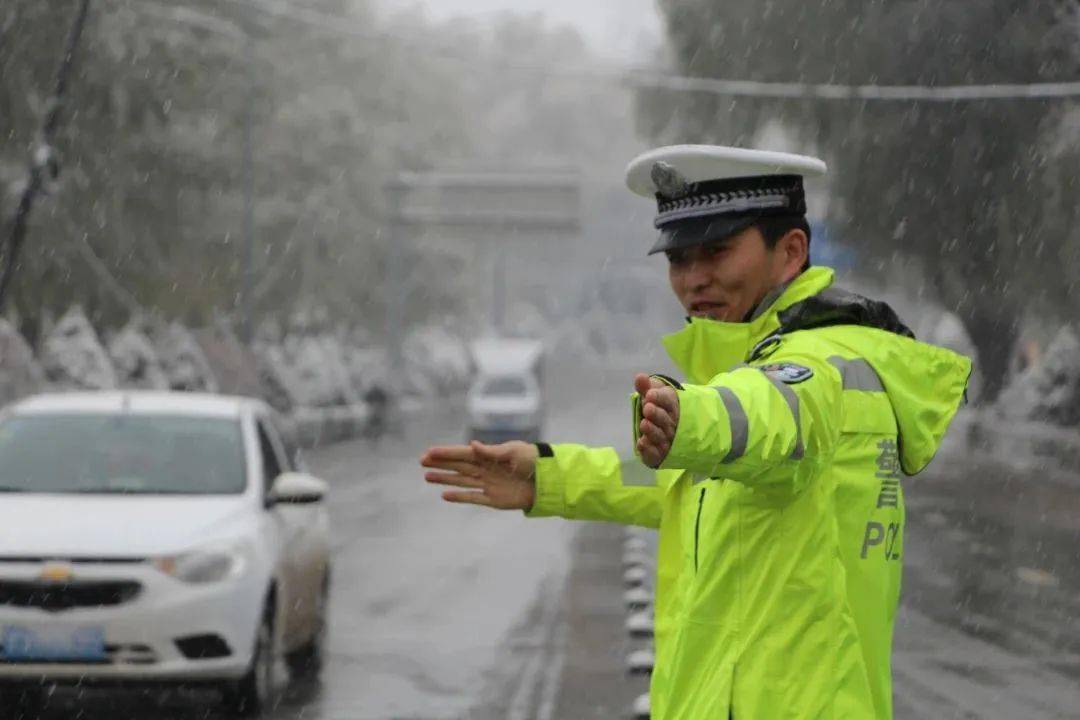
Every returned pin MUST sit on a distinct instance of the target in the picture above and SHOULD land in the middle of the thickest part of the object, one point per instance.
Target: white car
(157, 537)
(505, 406)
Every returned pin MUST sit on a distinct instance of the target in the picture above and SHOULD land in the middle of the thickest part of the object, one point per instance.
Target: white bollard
(640, 662)
(640, 625)
(635, 576)
(641, 707)
(638, 598)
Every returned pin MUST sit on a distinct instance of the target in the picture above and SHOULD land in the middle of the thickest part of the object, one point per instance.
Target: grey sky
(623, 29)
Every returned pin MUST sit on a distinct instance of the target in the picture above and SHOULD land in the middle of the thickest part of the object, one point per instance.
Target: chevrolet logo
(56, 573)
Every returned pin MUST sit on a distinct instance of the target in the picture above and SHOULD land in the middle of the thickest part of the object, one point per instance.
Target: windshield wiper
(12, 489)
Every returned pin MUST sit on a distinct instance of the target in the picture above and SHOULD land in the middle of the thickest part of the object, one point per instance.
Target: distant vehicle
(506, 400)
(159, 537)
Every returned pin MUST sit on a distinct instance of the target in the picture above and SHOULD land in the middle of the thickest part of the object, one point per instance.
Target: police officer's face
(726, 280)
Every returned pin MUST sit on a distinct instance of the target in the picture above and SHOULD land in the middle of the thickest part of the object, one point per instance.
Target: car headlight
(200, 567)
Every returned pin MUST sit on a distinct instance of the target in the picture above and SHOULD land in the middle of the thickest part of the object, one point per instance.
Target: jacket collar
(706, 348)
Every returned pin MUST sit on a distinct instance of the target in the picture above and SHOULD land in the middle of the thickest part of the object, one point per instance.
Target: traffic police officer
(777, 493)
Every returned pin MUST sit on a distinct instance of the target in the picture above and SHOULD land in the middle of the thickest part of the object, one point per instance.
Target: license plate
(85, 644)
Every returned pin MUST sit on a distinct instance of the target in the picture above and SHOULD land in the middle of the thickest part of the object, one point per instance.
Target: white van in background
(506, 400)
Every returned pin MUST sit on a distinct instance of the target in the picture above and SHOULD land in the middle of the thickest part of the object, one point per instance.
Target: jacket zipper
(697, 526)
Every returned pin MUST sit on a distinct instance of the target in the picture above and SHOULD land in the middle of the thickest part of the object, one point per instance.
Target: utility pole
(44, 159)
(247, 281)
(395, 293)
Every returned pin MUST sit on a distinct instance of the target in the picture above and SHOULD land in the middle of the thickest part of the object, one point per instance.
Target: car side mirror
(293, 488)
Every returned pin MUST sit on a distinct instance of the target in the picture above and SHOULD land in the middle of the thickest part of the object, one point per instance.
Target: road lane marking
(542, 640)
(552, 675)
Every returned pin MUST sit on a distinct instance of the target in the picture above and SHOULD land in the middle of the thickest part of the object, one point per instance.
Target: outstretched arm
(570, 481)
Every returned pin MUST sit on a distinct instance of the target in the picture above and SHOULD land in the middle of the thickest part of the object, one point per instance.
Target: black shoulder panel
(834, 306)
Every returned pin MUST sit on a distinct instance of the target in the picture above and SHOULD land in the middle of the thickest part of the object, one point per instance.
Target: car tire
(306, 662)
(251, 694)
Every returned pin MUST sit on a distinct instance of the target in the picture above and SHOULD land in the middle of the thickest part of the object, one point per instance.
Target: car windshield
(121, 453)
(507, 386)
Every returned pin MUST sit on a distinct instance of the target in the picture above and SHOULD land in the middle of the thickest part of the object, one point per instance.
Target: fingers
(441, 453)
(650, 455)
(464, 468)
(661, 418)
(455, 479)
(460, 459)
(654, 390)
(664, 397)
(466, 498)
(657, 437)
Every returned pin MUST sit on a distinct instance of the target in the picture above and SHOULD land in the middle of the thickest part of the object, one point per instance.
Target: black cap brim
(700, 231)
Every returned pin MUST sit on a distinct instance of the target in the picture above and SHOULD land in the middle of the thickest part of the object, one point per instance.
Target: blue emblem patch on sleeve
(787, 373)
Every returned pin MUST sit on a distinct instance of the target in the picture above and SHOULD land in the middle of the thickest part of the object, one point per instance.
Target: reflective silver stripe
(793, 403)
(740, 424)
(857, 374)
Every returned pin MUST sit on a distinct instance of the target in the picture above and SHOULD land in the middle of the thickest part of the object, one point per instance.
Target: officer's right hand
(496, 476)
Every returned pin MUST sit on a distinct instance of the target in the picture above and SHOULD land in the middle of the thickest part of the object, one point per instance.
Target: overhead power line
(812, 91)
(341, 25)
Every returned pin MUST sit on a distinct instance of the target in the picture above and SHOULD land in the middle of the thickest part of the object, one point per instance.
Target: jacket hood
(926, 384)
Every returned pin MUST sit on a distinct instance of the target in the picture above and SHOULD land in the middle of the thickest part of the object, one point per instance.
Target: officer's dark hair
(774, 228)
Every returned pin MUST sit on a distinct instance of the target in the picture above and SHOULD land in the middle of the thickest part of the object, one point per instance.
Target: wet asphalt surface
(441, 612)
(990, 619)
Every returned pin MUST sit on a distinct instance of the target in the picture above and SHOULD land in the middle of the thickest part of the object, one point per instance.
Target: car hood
(114, 526)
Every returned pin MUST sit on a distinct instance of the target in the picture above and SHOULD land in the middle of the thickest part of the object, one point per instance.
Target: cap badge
(669, 182)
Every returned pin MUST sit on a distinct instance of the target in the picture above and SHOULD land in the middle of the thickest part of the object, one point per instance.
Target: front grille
(131, 654)
(55, 597)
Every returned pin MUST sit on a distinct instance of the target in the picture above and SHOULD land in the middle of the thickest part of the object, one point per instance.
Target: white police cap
(705, 193)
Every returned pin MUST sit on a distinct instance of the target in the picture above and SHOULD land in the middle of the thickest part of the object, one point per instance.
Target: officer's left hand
(659, 419)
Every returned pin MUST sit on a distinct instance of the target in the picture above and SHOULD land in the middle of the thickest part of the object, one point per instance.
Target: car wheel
(250, 695)
(307, 661)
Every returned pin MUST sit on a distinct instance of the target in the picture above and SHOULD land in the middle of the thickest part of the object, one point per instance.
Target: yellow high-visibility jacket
(779, 506)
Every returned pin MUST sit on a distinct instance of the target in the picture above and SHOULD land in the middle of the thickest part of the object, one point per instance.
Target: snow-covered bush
(311, 368)
(183, 361)
(434, 353)
(367, 366)
(240, 370)
(20, 373)
(135, 360)
(1050, 389)
(72, 355)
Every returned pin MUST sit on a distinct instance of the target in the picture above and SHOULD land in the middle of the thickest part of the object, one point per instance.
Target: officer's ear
(793, 253)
